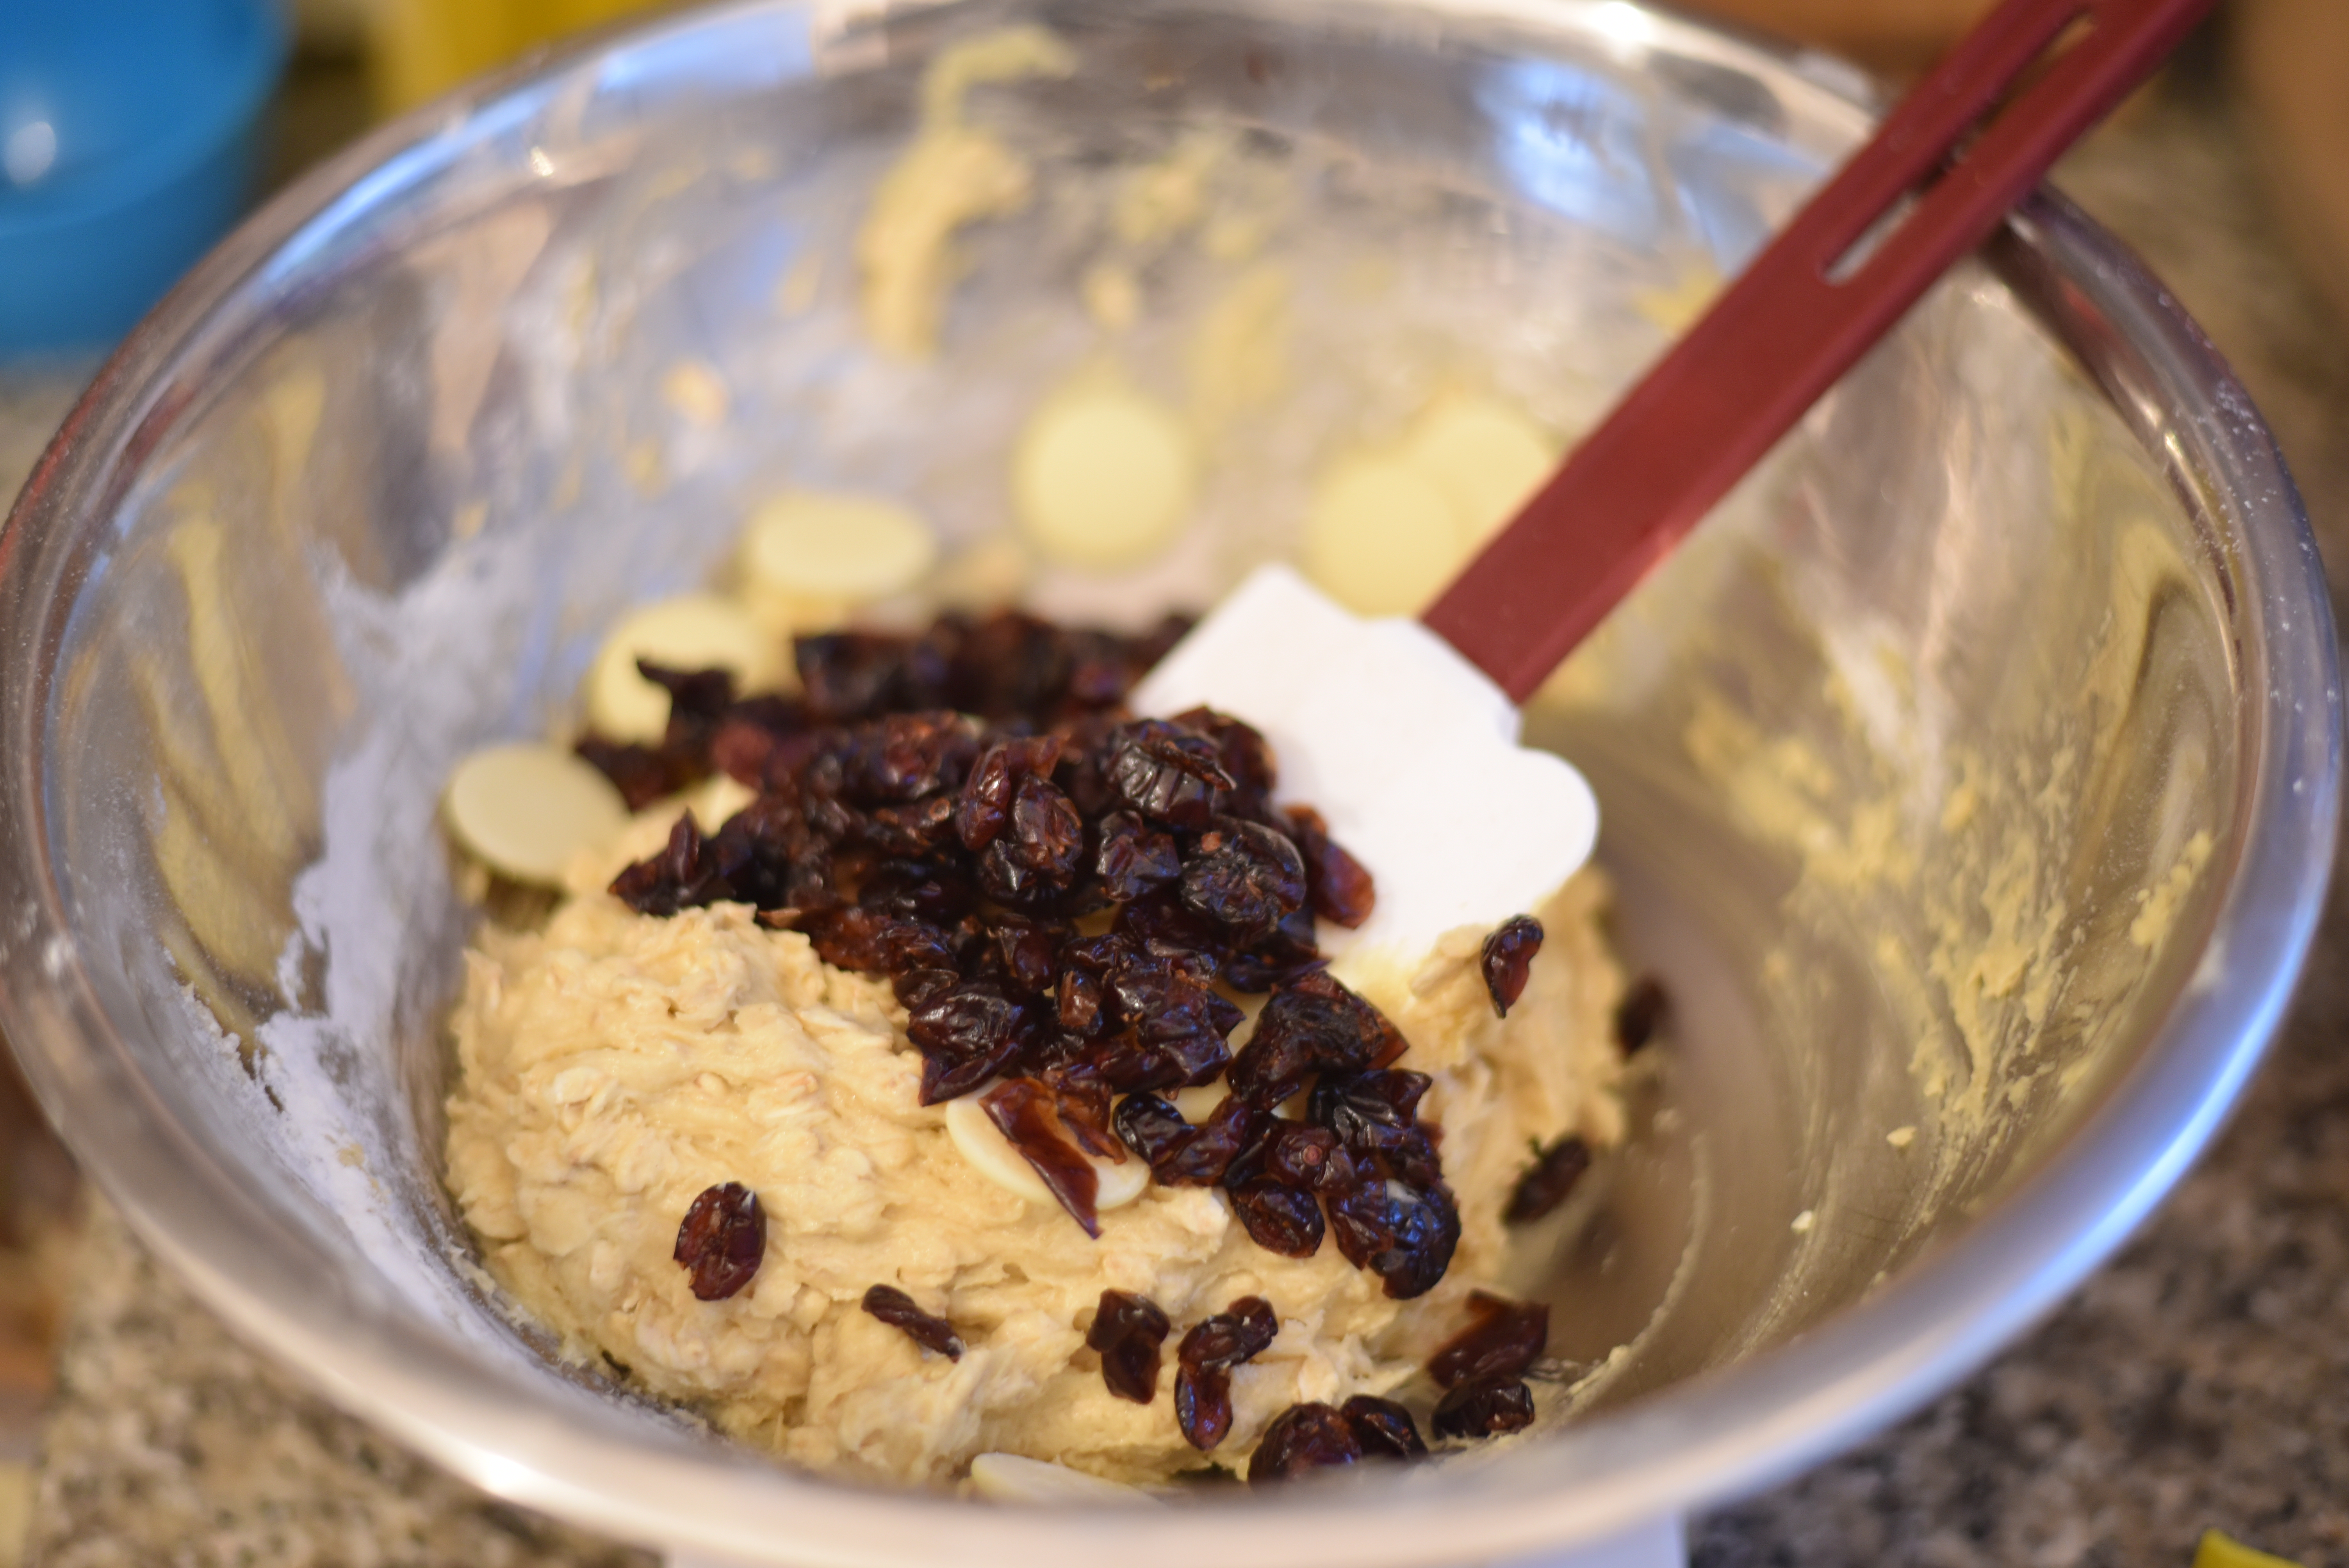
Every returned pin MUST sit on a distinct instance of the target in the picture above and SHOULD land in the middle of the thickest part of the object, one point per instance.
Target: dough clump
(615, 1065)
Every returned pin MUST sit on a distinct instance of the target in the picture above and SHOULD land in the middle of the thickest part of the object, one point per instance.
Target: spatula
(1403, 735)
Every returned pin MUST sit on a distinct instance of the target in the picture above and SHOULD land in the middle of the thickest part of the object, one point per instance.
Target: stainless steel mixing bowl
(1971, 779)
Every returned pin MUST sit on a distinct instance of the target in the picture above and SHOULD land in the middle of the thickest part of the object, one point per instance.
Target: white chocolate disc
(1381, 538)
(842, 550)
(1015, 1478)
(1486, 457)
(981, 1143)
(526, 809)
(695, 632)
(1103, 478)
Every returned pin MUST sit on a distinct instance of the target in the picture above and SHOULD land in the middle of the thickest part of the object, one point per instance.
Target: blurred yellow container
(2219, 1551)
(420, 48)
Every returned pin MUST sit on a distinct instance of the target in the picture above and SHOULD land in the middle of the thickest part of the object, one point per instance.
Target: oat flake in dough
(615, 1065)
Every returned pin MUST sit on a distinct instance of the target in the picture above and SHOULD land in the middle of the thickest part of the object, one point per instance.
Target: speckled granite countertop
(2197, 1381)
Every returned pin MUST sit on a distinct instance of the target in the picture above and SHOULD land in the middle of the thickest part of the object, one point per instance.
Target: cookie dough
(615, 1065)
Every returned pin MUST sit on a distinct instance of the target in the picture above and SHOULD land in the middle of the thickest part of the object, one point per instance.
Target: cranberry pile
(1057, 890)
(1482, 1371)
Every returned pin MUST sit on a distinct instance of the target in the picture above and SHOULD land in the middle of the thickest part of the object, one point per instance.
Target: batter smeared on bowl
(1003, 1007)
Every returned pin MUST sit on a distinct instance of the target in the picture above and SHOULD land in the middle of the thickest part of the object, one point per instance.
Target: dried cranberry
(1128, 1331)
(1133, 857)
(1169, 774)
(852, 939)
(1382, 1428)
(1300, 1439)
(1641, 1013)
(1548, 1182)
(1024, 1111)
(918, 988)
(1202, 1399)
(680, 877)
(915, 829)
(896, 1308)
(1280, 957)
(1011, 664)
(917, 945)
(750, 738)
(1504, 1339)
(984, 806)
(1239, 1333)
(770, 856)
(1404, 1234)
(1279, 1219)
(1084, 1108)
(1342, 889)
(1161, 923)
(1120, 1063)
(1172, 1011)
(1049, 832)
(1152, 1128)
(1357, 1106)
(1203, 1405)
(1371, 1115)
(722, 1241)
(1098, 672)
(913, 889)
(1202, 1159)
(1098, 954)
(1508, 959)
(850, 675)
(1037, 852)
(692, 694)
(1485, 1408)
(967, 1034)
(1311, 1024)
(905, 757)
(1079, 998)
(1298, 1155)
(1246, 755)
(1030, 953)
(642, 774)
(1244, 876)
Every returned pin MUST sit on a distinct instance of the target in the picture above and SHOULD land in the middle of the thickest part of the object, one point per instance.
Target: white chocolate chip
(526, 810)
(1379, 537)
(1486, 457)
(1014, 1478)
(1103, 478)
(822, 555)
(978, 1140)
(695, 632)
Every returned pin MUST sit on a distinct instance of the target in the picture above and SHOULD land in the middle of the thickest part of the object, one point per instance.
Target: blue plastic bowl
(126, 147)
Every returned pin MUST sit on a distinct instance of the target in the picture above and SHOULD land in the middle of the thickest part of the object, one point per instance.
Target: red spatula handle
(1779, 337)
